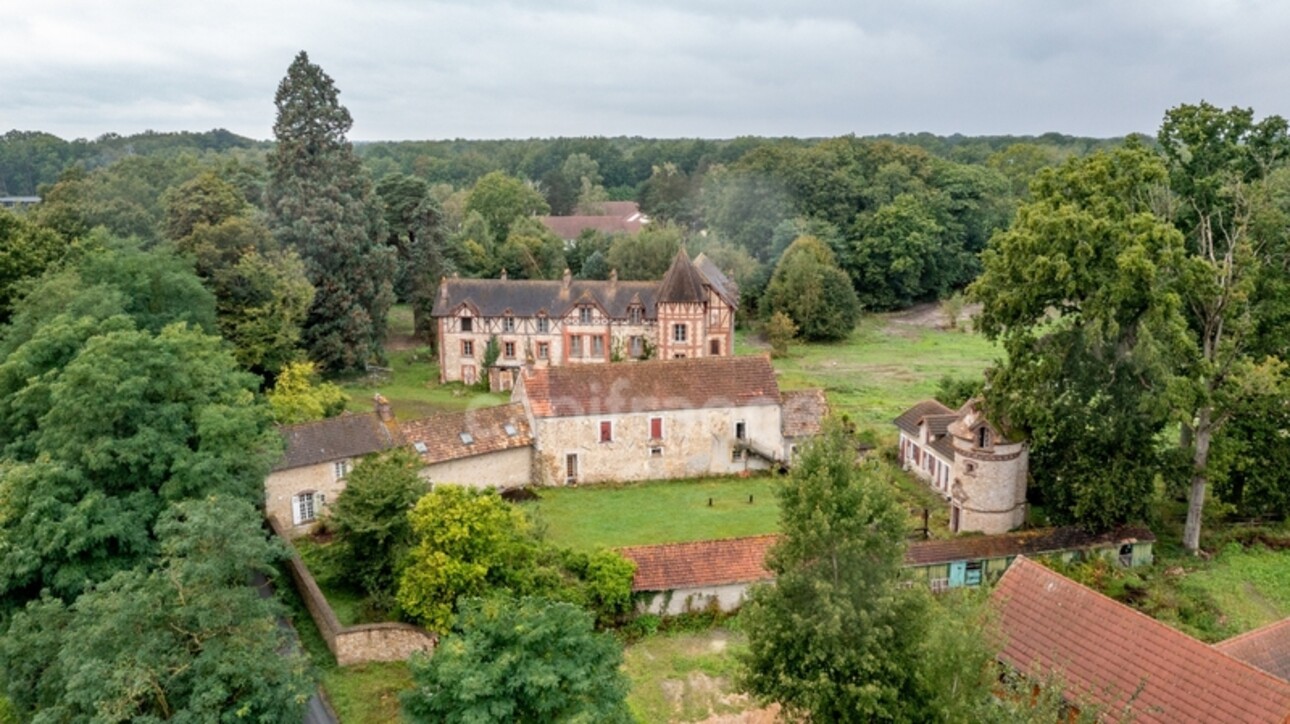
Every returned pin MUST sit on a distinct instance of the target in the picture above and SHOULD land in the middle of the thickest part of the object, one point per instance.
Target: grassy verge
(684, 677)
(656, 512)
(883, 368)
(367, 694)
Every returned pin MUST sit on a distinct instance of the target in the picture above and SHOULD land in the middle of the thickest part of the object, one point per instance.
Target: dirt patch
(769, 715)
(930, 316)
(520, 495)
(399, 342)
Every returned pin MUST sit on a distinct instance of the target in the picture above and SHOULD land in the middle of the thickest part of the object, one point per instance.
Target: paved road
(316, 711)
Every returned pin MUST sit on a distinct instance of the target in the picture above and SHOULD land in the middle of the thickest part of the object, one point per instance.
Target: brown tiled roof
(441, 435)
(682, 283)
(680, 384)
(908, 420)
(803, 411)
(528, 297)
(699, 563)
(1026, 542)
(722, 284)
(1110, 654)
(335, 438)
(1266, 648)
(571, 227)
(625, 209)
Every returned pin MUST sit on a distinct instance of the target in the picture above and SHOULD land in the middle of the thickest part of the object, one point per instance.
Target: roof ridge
(308, 423)
(696, 542)
(1252, 633)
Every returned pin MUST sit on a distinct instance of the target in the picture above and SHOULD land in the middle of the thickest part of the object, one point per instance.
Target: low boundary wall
(390, 641)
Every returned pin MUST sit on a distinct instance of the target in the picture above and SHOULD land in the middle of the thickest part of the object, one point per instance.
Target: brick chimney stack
(383, 409)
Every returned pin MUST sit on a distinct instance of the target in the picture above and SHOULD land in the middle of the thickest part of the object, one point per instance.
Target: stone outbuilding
(676, 578)
(317, 458)
(479, 448)
(653, 420)
(967, 459)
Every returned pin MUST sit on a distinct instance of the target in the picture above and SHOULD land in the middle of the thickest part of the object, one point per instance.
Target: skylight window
(467, 438)
(420, 447)
(511, 430)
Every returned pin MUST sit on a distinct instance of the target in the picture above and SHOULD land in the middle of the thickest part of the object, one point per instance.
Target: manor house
(538, 323)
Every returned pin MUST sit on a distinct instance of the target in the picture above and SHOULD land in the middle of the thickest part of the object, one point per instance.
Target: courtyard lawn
(608, 515)
(413, 389)
(889, 362)
(367, 694)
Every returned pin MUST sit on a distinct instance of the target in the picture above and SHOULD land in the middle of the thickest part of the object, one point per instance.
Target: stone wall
(727, 598)
(990, 486)
(502, 469)
(351, 645)
(694, 443)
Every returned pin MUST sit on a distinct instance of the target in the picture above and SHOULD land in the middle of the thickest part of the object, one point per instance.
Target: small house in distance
(965, 458)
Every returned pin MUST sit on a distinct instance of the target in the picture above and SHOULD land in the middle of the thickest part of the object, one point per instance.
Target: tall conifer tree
(321, 202)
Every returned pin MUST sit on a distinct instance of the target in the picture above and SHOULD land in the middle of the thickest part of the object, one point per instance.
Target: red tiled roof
(680, 384)
(1267, 648)
(441, 435)
(1110, 654)
(1026, 542)
(571, 227)
(700, 563)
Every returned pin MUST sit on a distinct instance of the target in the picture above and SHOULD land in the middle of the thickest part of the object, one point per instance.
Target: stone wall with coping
(350, 645)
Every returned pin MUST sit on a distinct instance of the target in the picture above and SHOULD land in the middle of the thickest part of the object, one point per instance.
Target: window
(467, 348)
(510, 430)
(467, 324)
(973, 574)
(679, 332)
(656, 428)
(584, 315)
(940, 585)
(656, 452)
(508, 324)
(305, 506)
(575, 346)
(638, 346)
(508, 350)
(635, 314)
(969, 468)
(571, 468)
(543, 325)
(340, 469)
(714, 347)
(983, 437)
(736, 455)
(597, 346)
(741, 430)
(1126, 555)
(467, 438)
(606, 431)
(544, 350)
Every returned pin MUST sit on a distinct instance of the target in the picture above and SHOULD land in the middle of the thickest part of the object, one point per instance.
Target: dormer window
(467, 324)
(584, 315)
(543, 325)
(635, 314)
(983, 437)
(508, 323)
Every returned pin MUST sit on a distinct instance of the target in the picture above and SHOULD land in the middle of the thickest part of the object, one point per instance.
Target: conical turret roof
(682, 283)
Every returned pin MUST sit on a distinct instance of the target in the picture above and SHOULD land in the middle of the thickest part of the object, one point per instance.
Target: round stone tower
(988, 489)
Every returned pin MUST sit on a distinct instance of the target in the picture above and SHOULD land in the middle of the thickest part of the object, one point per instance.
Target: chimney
(613, 278)
(503, 274)
(443, 289)
(383, 409)
(568, 278)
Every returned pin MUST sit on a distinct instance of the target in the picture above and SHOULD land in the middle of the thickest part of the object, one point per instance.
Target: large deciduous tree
(501, 200)
(1083, 292)
(1218, 164)
(415, 222)
(531, 660)
(370, 517)
(186, 640)
(813, 292)
(835, 639)
(320, 202)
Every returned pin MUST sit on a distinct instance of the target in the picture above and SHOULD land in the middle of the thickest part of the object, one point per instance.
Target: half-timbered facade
(691, 313)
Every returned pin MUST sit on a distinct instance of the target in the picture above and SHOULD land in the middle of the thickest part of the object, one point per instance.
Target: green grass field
(884, 367)
(656, 512)
(684, 677)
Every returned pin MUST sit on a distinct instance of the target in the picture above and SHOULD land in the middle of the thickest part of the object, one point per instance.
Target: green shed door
(958, 571)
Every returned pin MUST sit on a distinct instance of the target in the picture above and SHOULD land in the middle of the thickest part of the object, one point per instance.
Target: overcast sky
(708, 68)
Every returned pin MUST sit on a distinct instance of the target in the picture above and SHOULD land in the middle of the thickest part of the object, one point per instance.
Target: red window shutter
(606, 431)
(656, 428)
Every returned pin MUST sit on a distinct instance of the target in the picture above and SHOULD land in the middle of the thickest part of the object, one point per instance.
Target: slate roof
(725, 288)
(1104, 651)
(1266, 648)
(650, 386)
(1027, 542)
(908, 420)
(487, 429)
(529, 297)
(336, 438)
(682, 283)
(700, 563)
(803, 411)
